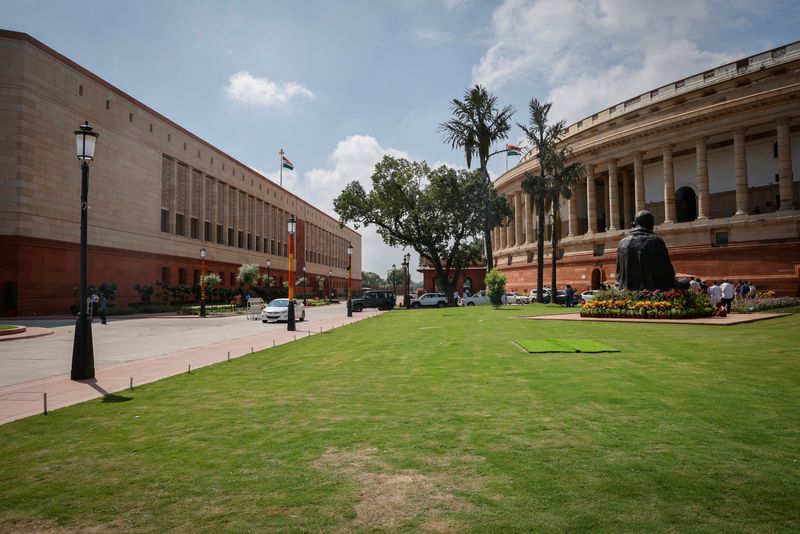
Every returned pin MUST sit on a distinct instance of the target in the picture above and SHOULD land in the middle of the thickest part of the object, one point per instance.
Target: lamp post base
(290, 326)
(202, 307)
(82, 349)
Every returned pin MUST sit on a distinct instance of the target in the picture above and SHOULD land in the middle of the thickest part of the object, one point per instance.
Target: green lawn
(435, 420)
(6, 326)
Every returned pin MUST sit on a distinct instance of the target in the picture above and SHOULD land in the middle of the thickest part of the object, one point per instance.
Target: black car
(383, 300)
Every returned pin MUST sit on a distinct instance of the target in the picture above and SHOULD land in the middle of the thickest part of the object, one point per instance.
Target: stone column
(638, 176)
(510, 237)
(613, 195)
(785, 177)
(702, 178)
(573, 212)
(528, 218)
(591, 200)
(669, 185)
(626, 198)
(518, 218)
(740, 164)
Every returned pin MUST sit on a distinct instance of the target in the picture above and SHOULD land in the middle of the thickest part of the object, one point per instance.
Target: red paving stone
(731, 319)
(27, 399)
(30, 331)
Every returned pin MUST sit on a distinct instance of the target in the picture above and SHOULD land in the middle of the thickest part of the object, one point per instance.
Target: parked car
(561, 297)
(383, 300)
(438, 300)
(515, 298)
(477, 299)
(587, 296)
(545, 295)
(278, 310)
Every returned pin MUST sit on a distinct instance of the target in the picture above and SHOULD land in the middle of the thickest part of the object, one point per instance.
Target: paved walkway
(29, 398)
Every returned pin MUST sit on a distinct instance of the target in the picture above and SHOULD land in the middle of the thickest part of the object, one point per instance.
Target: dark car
(383, 300)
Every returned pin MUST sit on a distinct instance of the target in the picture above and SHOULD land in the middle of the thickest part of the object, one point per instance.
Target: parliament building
(710, 155)
(157, 195)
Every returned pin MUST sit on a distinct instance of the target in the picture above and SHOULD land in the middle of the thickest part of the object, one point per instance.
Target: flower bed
(644, 304)
(763, 303)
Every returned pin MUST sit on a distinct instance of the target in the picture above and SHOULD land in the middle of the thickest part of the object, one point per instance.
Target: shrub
(495, 287)
(763, 303)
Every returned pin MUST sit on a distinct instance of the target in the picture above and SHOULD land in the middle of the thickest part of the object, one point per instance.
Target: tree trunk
(553, 286)
(540, 251)
(487, 223)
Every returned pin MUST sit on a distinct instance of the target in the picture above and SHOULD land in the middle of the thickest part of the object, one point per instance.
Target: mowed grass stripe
(688, 427)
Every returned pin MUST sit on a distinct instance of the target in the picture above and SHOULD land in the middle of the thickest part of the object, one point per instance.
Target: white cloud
(593, 53)
(244, 87)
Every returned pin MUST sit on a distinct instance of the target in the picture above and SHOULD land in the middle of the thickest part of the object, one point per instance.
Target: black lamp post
(406, 278)
(203, 282)
(394, 267)
(330, 287)
(349, 280)
(82, 347)
(304, 286)
(269, 279)
(290, 319)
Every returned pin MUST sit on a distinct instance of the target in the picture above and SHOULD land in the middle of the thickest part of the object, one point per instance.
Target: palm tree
(476, 125)
(554, 181)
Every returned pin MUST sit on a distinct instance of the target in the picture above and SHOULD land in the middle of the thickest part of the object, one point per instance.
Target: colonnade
(519, 229)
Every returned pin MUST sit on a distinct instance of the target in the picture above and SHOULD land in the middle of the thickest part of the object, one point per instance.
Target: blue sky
(338, 84)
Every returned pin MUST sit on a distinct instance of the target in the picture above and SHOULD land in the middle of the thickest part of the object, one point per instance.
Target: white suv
(477, 299)
(430, 299)
(514, 298)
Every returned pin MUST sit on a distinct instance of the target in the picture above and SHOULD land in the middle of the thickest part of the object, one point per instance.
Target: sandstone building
(715, 156)
(157, 194)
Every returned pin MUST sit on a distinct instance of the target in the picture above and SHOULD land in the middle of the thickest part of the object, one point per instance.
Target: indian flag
(513, 150)
(286, 164)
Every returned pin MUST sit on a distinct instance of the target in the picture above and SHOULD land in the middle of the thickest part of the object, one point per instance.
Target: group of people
(722, 295)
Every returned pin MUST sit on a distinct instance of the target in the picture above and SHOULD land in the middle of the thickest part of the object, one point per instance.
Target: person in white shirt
(728, 293)
(752, 293)
(694, 285)
(715, 293)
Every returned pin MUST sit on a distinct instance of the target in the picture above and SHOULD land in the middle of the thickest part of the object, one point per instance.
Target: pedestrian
(728, 293)
(466, 292)
(752, 293)
(694, 285)
(703, 286)
(102, 308)
(570, 295)
(715, 293)
(93, 299)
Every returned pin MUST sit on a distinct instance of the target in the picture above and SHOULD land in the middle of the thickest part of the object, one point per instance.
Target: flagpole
(280, 166)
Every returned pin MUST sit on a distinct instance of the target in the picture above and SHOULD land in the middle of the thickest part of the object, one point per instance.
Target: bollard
(295, 337)
(251, 350)
(45, 402)
(229, 355)
(190, 368)
(273, 343)
(131, 383)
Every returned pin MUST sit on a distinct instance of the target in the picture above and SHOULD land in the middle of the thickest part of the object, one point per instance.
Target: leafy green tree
(371, 280)
(437, 212)
(268, 280)
(249, 274)
(495, 287)
(212, 281)
(554, 181)
(477, 124)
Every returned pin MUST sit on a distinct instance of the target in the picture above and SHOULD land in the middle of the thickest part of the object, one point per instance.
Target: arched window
(685, 204)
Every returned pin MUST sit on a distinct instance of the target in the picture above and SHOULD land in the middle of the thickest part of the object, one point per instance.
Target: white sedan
(278, 310)
(587, 296)
(477, 299)
(514, 298)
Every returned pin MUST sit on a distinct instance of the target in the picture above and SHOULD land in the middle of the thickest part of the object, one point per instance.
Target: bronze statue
(642, 258)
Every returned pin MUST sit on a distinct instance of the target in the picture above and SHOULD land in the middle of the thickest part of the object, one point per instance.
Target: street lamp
(269, 279)
(304, 286)
(290, 319)
(203, 282)
(406, 278)
(394, 267)
(349, 279)
(330, 287)
(82, 347)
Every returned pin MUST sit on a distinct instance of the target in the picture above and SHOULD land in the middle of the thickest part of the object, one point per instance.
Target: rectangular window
(600, 249)
(207, 232)
(165, 221)
(80, 90)
(108, 104)
(240, 241)
(222, 277)
(166, 276)
(249, 241)
(530, 257)
(195, 226)
(258, 243)
(720, 239)
(130, 117)
(266, 245)
(181, 276)
(179, 226)
(285, 250)
(272, 248)
(196, 277)
(230, 237)
(233, 279)
(220, 235)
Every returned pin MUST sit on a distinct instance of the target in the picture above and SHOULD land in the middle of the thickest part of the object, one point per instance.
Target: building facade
(157, 194)
(715, 157)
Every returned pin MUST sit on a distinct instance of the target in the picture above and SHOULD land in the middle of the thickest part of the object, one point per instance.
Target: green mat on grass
(564, 345)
